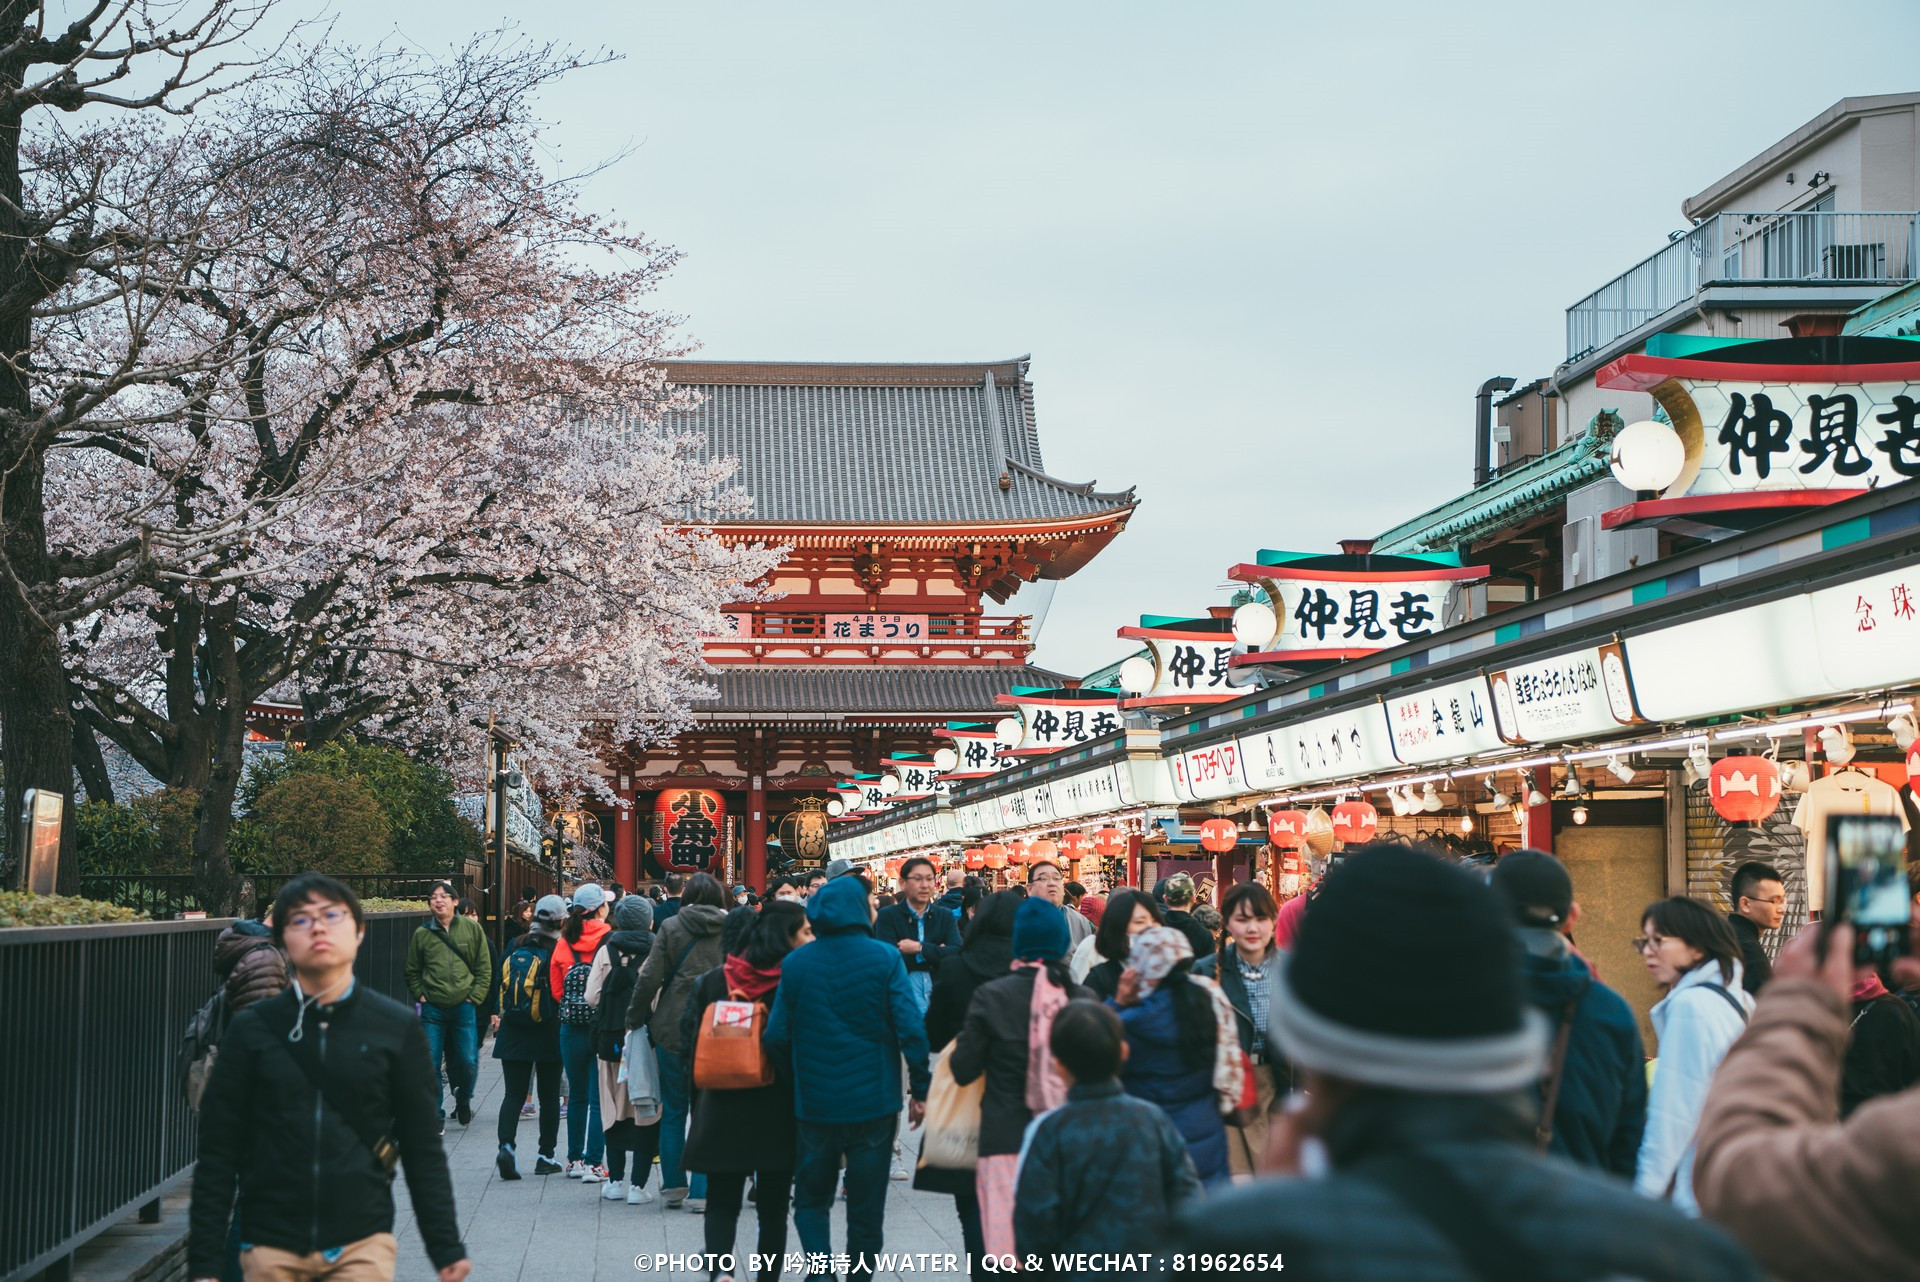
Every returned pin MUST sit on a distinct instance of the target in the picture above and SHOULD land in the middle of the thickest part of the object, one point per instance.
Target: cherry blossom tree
(363, 402)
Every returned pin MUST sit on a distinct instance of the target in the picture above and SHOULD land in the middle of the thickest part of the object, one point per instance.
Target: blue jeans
(453, 1034)
(585, 1142)
(868, 1148)
(675, 1104)
(920, 984)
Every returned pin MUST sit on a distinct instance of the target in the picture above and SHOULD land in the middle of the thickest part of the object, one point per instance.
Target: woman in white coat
(1691, 952)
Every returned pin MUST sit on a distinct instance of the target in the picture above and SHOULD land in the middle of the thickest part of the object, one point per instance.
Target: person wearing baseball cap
(1403, 1009)
(1596, 1069)
(527, 1038)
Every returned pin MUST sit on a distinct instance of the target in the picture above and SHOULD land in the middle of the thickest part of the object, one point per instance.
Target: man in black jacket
(1759, 904)
(925, 935)
(315, 1095)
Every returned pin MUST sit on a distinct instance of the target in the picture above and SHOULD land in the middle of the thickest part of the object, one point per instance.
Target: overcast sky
(1261, 254)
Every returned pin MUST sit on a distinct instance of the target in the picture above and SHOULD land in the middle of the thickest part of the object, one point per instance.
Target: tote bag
(952, 1138)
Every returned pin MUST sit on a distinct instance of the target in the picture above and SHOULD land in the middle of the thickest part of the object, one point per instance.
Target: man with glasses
(316, 1096)
(1759, 897)
(1046, 881)
(924, 938)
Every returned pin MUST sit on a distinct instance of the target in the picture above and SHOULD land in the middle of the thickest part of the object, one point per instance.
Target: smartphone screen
(1867, 884)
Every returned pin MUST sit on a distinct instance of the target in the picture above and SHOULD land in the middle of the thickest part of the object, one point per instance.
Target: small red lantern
(1744, 790)
(1074, 844)
(1354, 822)
(973, 860)
(1287, 829)
(1219, 835)
(1041, 850)
(1109, 843)
(995, 854)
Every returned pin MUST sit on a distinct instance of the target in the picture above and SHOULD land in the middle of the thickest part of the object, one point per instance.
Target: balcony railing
(1742, 248)
(906, 628)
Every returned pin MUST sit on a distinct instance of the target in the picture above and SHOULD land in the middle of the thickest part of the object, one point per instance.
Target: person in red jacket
(580, 939)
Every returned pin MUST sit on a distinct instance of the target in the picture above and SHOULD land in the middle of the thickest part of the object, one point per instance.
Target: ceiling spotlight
(1399, 805)
(1905, 729)
(1501, 800)
(1430, 799)
(1573, 788)
(1621, 770)
(1836, 744)
(1580, 813)
(1699, 764)
(1534, 796)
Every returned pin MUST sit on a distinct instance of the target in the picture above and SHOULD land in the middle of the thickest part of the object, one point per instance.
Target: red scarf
(749, 981)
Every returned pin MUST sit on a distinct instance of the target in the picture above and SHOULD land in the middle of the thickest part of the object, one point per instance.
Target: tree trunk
(91, 763)
(36, 722)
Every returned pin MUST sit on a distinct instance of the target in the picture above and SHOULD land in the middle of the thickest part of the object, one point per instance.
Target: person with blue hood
(1597, 1076)
(842, 1019)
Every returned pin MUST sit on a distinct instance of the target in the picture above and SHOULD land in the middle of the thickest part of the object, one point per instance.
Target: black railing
(164, 896)
(95, 1122)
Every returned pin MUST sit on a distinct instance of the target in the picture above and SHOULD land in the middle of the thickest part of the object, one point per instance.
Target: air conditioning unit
(1855, 262)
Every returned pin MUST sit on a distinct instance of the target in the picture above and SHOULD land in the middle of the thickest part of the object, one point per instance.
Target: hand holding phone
(1867, 887)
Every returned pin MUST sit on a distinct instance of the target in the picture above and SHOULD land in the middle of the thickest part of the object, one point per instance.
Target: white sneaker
(899, 1172)
(593, 1175)
(614, 1190)
(638, 1195)
(576, 1170)
(698, 1205)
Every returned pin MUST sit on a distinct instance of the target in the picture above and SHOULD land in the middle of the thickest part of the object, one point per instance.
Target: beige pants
(371, 1259)
(1246, 1145)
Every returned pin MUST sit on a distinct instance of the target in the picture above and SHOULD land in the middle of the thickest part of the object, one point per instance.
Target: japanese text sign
(876, 629)
(1580, 693)
(1440, 723)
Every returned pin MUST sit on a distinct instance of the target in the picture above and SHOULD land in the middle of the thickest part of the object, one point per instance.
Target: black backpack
(199, 1045)
(616, 992)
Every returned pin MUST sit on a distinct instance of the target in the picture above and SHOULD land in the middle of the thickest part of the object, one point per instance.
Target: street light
(1647, 456)
(945, 759)
(1254, 625)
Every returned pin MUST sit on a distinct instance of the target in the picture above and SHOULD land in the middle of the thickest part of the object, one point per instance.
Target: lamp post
(499, 778)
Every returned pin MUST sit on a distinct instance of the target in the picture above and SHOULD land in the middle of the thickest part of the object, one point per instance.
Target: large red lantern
(689, 822)
(1037, 851)
(994, 854)
(1109, 843)
(1744, 790)
(973, 860)
(1354, 822)
(1219, 835)
(1287, 829)
(1074, 844)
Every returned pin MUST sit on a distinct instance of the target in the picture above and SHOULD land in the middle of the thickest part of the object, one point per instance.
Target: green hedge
(18, 908)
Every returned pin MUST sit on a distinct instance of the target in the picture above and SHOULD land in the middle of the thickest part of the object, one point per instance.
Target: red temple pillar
(626, 842)
(754, 873)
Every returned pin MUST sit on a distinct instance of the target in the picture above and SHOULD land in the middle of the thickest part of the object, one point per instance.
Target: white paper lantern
(1647, 456)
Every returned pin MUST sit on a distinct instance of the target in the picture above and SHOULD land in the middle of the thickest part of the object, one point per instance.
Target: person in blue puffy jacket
(1172, 1034)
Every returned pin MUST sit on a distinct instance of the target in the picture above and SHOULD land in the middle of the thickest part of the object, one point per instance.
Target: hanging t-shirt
(1845, 792)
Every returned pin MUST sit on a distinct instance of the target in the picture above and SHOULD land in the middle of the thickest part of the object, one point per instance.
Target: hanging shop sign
(1354, 742)
(1092, 792)
(871, 795)
(1055, 720)
(1192, 662)
(1441, 723)
(1784, 414)
(917, 775)
(1347, 606)
(1569, 695)
(1866, 633)
(1760, 656)
(976, 751)
(1266, 762)
(873, 629)
(1202, 774)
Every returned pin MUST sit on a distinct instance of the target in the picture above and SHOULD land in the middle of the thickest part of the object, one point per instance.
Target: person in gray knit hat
(1409, 1151)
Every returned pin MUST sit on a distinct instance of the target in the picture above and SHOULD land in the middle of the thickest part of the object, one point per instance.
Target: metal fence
(167, 895)
(95, 1122)
(1732, 248)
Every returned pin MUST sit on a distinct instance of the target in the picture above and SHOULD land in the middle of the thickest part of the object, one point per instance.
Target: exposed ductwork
(1483, 427)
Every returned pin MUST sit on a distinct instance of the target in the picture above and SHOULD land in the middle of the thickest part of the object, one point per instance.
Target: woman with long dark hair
(1173, 1039)
(1692, 953)
(742, 1133)
(1128, 912)
(1245, 969)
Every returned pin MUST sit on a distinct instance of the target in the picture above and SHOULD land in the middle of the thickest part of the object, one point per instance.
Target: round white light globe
(1647, 456)
(945, 759)
(835, 809)
(1136, 675)
(889, 784)
(1008, 731)
(1254, 624)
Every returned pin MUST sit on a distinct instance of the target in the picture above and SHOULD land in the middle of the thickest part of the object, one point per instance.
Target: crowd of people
(1409, 1071)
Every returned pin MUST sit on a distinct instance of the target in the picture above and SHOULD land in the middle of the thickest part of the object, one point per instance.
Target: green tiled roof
(1533, 487)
